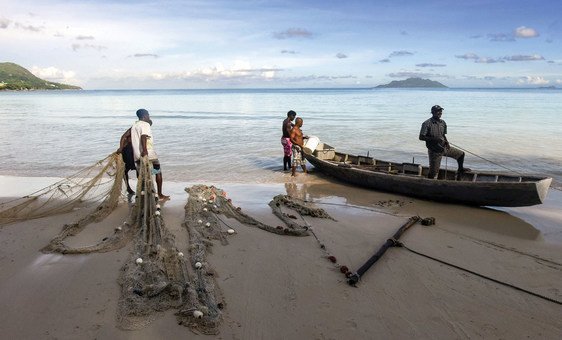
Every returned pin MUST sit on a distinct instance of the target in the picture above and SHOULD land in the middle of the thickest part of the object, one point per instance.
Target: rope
(399, 244)
(497, 164)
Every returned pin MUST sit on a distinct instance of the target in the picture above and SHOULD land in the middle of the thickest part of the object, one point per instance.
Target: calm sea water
(233, 135)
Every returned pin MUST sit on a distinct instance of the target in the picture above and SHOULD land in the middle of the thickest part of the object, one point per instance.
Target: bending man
(143, 145)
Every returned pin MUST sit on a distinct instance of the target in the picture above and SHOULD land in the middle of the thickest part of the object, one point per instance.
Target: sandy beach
(283, 287)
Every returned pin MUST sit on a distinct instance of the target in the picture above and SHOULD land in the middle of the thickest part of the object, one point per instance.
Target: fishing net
(157, 276)
(100, 183)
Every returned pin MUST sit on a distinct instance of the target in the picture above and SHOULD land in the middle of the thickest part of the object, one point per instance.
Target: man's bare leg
(161, 196)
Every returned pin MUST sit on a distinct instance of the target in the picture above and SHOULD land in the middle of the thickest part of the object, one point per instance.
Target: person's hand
(144, 153)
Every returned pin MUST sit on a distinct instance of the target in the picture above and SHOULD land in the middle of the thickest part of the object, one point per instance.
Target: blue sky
(284, 44)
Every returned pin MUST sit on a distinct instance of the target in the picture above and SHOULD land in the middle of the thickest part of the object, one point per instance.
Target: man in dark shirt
(433, 132)
(286, 139)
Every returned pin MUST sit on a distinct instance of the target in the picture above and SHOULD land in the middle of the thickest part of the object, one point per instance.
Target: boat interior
(327, 153)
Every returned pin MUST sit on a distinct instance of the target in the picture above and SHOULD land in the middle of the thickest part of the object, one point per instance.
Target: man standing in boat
(297, 141)
(286, 139)
(433, 132)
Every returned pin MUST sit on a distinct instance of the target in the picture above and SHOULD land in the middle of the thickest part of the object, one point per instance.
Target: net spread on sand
(157, 277)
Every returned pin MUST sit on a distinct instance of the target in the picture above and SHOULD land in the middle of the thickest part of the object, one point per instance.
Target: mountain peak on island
(15, 77)
(412, 82)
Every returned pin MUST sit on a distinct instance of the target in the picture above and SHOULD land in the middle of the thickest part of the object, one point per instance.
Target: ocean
(234, 135)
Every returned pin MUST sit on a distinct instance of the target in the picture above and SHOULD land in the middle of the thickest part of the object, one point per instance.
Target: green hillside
(15, 77)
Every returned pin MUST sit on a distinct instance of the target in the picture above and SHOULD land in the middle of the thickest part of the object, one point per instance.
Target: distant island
(412, 82)
(16, 78)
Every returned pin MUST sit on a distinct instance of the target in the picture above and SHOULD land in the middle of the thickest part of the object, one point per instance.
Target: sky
(199, 44)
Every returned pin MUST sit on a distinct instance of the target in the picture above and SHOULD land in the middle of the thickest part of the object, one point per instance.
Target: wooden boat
(472, 188)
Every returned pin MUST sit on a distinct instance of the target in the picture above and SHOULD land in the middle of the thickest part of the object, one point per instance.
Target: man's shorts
(297, 156)
(155, 166)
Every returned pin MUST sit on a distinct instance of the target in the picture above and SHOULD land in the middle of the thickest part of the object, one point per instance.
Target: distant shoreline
(296, 89)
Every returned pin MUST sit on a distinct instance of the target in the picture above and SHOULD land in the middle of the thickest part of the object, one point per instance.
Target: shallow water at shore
(233, 135)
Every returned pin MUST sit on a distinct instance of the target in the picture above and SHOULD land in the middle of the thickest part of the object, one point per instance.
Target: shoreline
(282, 287)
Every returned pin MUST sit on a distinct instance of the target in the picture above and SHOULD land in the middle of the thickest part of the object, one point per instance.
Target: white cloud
(4, 22)
(53, 74)
(526, 32)
(293, 33)
(533, 80)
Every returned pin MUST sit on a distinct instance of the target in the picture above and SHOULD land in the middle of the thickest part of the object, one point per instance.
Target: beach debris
(180, 254)
(199, 221)
(230, 231)
(428, 221)
(142, 193)
(205, 209)
(157, 206)
(138, 260)
(198, 265)
(197, 314)
(157, 213)
(208, 224)
(118, 228)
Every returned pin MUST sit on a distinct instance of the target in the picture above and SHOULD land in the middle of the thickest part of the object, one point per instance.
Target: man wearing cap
(143, 145)
(433, 132)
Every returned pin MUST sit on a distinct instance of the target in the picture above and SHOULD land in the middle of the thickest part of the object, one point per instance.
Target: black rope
(481, 275)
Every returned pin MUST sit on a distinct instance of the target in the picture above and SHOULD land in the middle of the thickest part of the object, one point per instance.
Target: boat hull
(505, 194)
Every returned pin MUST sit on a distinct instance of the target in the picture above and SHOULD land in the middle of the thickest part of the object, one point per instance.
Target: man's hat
(436, 108)
(141, 113)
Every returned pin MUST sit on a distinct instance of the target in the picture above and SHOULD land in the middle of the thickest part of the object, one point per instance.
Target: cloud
(53, 74)
(293, 33)
(526, 32)
(4, 23)
(479, 60)
(409, 74)
(400, 54)
(468, 56)
(341, 56)
(85, 37)
(524, 57)
(500, 37)
(430, 65)
(288, 52)
(477, 36)
(29, 27)
(533, 80)
(239, 72)
(487, 60)
(558, 81)
(143, 55)
(403, 33)
(385, 60)
(76, 47)
(318, 78)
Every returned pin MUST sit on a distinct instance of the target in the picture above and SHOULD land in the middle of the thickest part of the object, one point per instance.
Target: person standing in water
(298, 146)
(286, 139)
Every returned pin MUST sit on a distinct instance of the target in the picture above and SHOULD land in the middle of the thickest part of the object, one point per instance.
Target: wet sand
(281, 287)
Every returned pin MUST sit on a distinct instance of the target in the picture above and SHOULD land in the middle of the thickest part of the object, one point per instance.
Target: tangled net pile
(157, 277)
(99, 183)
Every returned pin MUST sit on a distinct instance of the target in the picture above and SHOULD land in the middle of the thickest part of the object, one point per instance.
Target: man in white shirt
(143, 145)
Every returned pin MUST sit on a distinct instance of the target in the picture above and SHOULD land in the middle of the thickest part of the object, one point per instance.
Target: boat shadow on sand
(337, 193)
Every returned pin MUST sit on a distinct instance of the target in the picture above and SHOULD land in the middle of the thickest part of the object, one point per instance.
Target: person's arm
(122, 141)
(144, 150)
(423, 134)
